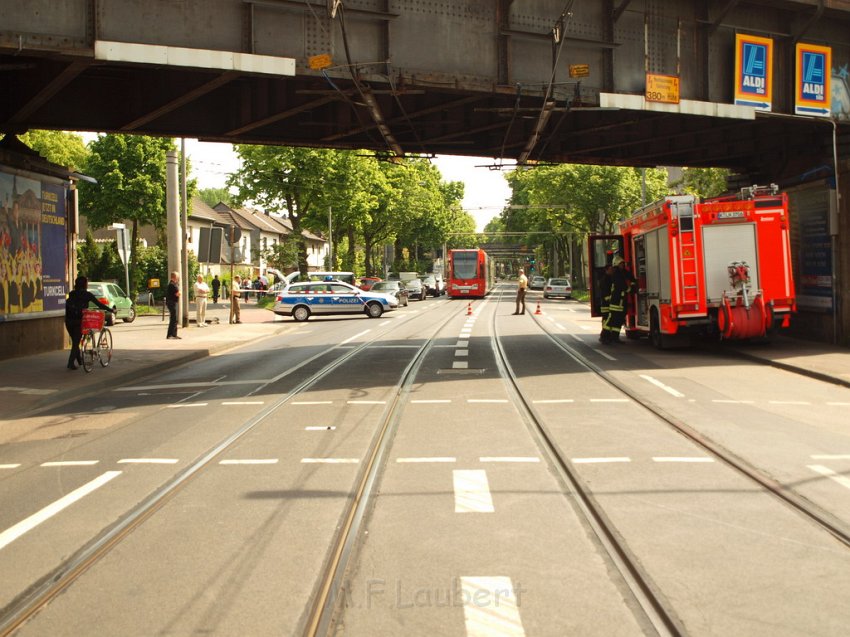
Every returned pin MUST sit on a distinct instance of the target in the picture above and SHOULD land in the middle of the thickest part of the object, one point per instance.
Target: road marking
(29, 391)
(599, 460)
(243, 402)
(498, 401)
(788, 402)
(251, 461)
(461, 352)
(328, 428)
(187, 405)
(14, 532)
(682, 459)
(559, 326)
(462, 344)
(9, 466)
(430, 402)
(348, 340)
(148, 461)
(329, 460)
(460, 365)
(490, 607)
(733, 402)
(553, 401)
(604, 354)
(829, 473)
(472, 491)
(660, 385)
(70, 463)
(433, 459)
(366, 402)
(609, 400)
(839, 456)
(312, 402)
(509, 459)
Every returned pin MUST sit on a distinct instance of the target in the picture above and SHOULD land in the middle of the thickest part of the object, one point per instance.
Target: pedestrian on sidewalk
(201, 292)
(521, 287)
(172, 298)
(77, 301)
(235, 293)
(216, 287)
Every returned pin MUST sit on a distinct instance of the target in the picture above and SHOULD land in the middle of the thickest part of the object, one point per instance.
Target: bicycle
(95, 346)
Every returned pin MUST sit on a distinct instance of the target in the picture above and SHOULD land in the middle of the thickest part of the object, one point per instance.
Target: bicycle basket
(92, 320)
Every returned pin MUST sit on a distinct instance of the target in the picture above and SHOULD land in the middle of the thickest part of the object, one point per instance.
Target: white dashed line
(328, 428)
(490, 607)
(9, 466)
(424, 460)
(251, 461)
(681, 459)
(148, 461)
(599, 460)
(329, 460)
(472, 491)
(604, 354)
(509, 459)
(180, 405)
(829, 473)
(70, 463)
(660, 385)
(839, 456)
(14, 532)
(348, 340)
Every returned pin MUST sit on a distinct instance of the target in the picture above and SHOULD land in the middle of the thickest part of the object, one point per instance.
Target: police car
(302, 300)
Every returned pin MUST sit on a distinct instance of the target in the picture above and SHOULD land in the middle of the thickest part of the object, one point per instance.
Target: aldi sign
(753, 71)
(812, 93)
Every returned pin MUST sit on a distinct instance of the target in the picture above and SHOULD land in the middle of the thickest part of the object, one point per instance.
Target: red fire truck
(719, 267)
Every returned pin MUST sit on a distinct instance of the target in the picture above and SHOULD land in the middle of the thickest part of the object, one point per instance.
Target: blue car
(302, 300)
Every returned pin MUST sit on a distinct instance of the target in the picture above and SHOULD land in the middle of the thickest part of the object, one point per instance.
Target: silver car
(558, 287)
(302, 300)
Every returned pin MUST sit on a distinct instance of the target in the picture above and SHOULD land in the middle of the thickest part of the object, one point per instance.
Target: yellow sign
(579, 70)
(153, 283)
(319, 62)
(662, 88)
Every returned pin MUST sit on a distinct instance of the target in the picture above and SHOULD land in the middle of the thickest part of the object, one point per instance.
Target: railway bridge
(758, 86)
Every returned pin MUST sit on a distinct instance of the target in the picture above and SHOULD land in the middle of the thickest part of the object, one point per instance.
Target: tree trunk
(134, 238)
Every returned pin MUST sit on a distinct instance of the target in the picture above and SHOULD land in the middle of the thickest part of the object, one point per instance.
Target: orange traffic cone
(469, 309)
(537, 311)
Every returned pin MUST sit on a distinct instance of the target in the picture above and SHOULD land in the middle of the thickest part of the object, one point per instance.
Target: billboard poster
(753, 71)
(32, 246)
(812, 94)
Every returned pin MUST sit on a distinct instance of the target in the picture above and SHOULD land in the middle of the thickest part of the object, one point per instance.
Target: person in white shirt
(522, 286)
(202, 290)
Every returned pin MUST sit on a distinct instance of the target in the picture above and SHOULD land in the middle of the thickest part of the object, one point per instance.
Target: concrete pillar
(173, 230)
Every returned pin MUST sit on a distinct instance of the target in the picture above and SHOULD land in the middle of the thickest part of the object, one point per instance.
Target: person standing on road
(216, 287)
(521, 287)
(621, 284)
(605, 300)
(235, 293)
(77, 301)
(201, 292)
(172, 298)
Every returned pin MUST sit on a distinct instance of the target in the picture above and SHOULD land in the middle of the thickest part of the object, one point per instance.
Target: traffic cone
(537, 311)
(469, 309)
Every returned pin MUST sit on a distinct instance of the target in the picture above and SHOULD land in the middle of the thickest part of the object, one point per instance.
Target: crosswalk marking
(472, 491)
(491, 607)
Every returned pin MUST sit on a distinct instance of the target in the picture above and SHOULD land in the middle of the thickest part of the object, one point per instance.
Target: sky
(485, 192)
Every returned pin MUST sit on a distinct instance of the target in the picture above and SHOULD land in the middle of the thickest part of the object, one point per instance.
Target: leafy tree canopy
(64, 149)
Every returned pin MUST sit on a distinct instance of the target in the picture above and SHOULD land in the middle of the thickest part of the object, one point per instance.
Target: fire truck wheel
(655, 335)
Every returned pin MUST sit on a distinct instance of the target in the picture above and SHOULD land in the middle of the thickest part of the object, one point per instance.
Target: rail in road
(554, 528)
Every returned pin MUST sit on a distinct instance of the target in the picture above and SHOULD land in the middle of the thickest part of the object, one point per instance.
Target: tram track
(39, 594)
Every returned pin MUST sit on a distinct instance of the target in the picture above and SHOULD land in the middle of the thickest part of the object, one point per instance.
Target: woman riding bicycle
(78, 300)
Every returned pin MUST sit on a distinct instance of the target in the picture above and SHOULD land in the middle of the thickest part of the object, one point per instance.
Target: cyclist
(77, 301)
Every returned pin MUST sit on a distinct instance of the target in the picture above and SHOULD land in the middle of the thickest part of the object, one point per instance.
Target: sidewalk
(139, 349)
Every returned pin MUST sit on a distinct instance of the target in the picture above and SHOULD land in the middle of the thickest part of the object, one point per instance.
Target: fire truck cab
(719, 268)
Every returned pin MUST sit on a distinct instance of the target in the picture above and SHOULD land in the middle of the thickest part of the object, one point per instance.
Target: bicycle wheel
(88, 351)
(104, 347)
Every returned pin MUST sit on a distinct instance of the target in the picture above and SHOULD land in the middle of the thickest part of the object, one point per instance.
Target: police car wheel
(374, 310)
(301, 313)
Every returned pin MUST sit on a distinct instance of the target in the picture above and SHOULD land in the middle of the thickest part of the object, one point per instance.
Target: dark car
(112, 295)
(398, 288)
(416, 289)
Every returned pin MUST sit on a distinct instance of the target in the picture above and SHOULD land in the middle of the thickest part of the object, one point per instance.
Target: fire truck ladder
(687, 252)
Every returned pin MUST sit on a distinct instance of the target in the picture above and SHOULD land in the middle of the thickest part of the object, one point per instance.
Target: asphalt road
(253, 456)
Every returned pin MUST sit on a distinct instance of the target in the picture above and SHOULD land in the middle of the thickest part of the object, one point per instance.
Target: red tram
(470, 273)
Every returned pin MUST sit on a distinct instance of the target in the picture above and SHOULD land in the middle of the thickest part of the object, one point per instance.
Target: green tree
(131, 175)
(88, 256)
(214, 196)
(703, 182)
(64, 149)
(282, 255)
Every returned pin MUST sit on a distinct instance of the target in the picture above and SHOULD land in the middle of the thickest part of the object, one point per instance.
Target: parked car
(558, 287)
(416, 289)
(302, 300)
(396, 287)
(367, 282)
(537, 283)
(112, 295)
(433, 285)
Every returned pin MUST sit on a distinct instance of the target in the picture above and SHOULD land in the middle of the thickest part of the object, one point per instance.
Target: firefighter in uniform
(621, 283)
(605, 288)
